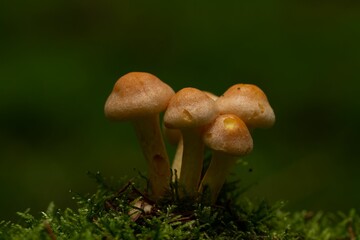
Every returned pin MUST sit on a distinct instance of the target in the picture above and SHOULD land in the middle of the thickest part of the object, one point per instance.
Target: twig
(309, 215)
(109, 205)
(49, 230)
(182, 219)
(123, 189)
(148, 200)
(351, 231)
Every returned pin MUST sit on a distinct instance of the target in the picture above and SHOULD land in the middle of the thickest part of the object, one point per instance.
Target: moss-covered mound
(126, 213)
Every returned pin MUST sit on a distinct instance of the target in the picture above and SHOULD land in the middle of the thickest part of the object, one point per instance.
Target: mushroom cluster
(193, 120)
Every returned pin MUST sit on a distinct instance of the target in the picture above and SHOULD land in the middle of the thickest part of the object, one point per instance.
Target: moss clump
(105, 215)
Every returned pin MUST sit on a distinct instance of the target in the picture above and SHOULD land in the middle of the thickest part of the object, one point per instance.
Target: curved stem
(192, 161)
(176, 165)
(153, 147)
(215, 176)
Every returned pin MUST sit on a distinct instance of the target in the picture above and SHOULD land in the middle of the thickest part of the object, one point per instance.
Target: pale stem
(153, 147)
(220, 166)
(176, 165)
(192, 161)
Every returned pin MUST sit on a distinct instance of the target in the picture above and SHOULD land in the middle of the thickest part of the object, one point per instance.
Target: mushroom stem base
(153, 147)
(192, 161)
(215, 176)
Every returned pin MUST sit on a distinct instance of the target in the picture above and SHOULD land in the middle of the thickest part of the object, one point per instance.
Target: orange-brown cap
(137, 94)
(248, 102)
(229, 134)
(211, 95)
(190, 108)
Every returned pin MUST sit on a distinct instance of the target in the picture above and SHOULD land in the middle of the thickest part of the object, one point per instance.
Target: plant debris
(114, 212)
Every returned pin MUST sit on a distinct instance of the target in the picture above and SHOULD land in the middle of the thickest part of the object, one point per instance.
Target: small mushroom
(175, 138)
(190, 110)
(249, 103)
(139, 97)
(229, 139)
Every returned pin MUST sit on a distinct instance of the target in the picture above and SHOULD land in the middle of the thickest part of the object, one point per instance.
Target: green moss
(105, 215)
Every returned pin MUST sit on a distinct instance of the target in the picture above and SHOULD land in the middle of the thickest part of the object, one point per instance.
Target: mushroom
(190, 110)
(249, 103)
(139, 97)
(229, 138)
(174, 137)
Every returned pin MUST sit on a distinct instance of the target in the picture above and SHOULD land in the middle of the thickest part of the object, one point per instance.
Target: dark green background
(59, 61)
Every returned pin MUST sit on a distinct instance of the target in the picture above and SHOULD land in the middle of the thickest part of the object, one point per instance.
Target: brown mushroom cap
(248, 102)
(211, 95)
(190, 108)
(228, 134)
(137, 94)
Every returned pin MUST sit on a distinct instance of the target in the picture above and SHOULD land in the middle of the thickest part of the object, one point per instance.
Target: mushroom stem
(192, 161)
(176, 165)
(153, 147)
(215, 176)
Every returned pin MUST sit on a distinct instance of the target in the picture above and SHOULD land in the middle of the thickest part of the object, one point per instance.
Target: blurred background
(60, 59)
